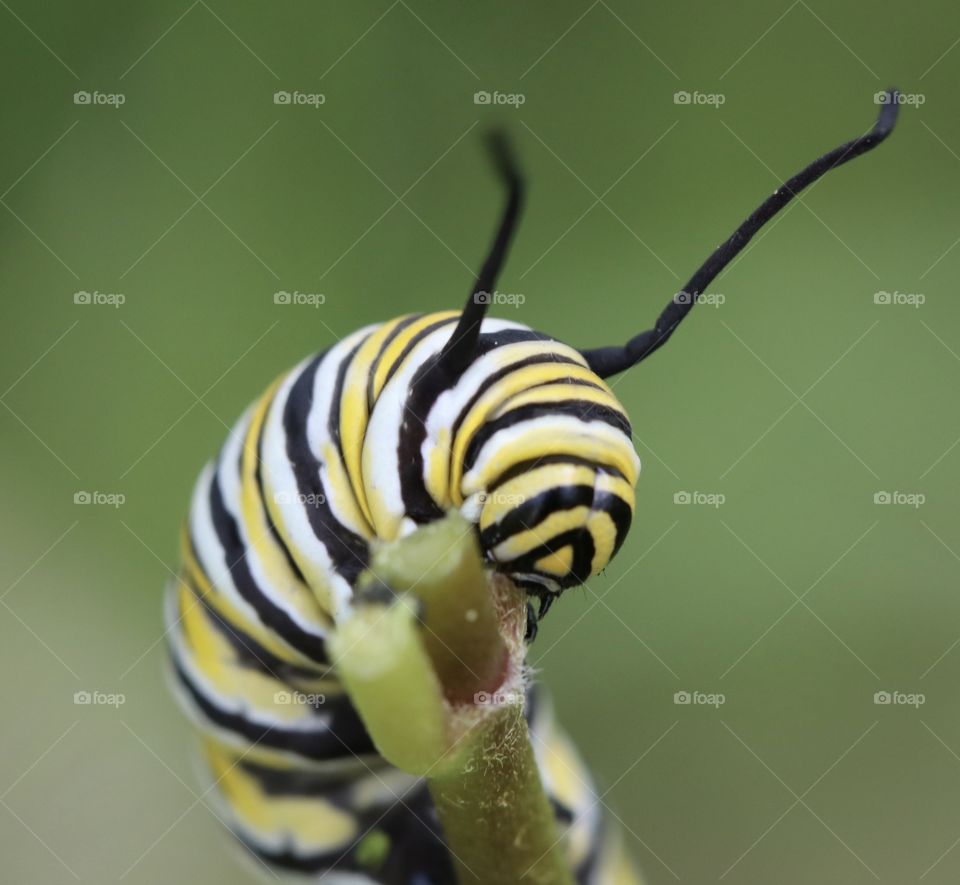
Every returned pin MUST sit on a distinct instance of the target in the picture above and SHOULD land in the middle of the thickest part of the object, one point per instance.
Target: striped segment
(357, 444)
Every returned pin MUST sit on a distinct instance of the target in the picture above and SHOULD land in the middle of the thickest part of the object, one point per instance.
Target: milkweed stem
(434, 638)
(496, 817)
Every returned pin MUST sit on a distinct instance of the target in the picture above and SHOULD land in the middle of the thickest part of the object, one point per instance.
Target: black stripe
(330, 785)
(411, 344)
(563, 814)
(274, 532)
(579, 539)
(348, 551)
(530, 513)
(417, 854)
(495, 377)
(586, 872)
(620, 512)
(250, 654)
(425, 388)
(234, 554)
(397, 329)
(333, 419)
(522, 467)
(566, 379)
(581, 409)
(345, 734)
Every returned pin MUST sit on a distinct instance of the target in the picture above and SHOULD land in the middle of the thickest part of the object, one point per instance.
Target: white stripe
(556, 431)
(307, 721)
(381, 464)
(283, 598)
(280, 479)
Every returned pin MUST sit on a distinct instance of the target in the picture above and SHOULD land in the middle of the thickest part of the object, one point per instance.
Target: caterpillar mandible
(386, 431)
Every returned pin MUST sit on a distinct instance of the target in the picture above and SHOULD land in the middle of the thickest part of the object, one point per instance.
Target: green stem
(494, 812)
(421, 668)
(440, 565)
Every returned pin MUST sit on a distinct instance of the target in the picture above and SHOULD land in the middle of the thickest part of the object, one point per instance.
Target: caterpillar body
(527, 442)
(388, 430)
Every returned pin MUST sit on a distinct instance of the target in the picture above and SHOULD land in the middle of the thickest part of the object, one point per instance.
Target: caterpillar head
(545, 463)
(561, 520)
(549, 476)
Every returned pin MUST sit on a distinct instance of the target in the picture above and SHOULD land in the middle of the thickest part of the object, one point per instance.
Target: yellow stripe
(314, 825)
(559, 563)
(396, 347)
(219, 602)
(601, 525)
(600, 445)
(603, 530)
(542, 533)
(486, 406)
(437, 468)
(233, 682)
(296, 596)
(561, 393)
(355, 409)
(525, 487)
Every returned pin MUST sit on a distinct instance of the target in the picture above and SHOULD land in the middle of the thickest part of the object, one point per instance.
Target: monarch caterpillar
(386, 431)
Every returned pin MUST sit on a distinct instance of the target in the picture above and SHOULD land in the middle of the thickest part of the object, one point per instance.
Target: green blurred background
(798, 399)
